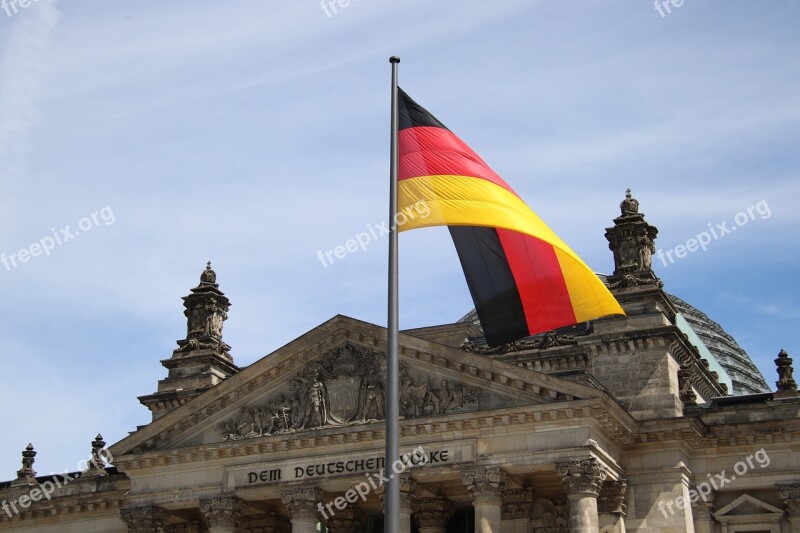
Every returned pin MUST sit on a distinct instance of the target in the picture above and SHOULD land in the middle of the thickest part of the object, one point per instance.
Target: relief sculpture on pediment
(346, 387)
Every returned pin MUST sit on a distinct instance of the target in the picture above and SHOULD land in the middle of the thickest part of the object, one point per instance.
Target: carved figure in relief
(412, 397)
(263, 422)
(295, 411)
(316, 405)
(374, 401)
(450, 398)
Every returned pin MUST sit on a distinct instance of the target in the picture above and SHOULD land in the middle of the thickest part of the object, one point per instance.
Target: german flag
(523, 278)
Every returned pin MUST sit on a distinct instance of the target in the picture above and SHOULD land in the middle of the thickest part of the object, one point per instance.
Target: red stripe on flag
(429, 151)
(540, 281)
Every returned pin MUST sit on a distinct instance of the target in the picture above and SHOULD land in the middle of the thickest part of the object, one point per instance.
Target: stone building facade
(620, 425)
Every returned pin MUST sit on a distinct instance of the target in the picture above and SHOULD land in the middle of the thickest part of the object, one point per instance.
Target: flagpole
(391, 495)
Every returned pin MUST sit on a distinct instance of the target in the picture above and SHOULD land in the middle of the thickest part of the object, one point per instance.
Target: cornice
(614, 421)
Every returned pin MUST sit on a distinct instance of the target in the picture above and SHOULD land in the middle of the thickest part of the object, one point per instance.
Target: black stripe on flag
(491, 283)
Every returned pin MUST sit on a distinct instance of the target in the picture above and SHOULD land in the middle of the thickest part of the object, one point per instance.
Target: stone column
(409, 490)
(517, 510)
(408, 502)
(303, 508)
(613, 505)
(703, 514)
(348, 520)
(432, 514)
(144, 519)
(791, 499)
(486, 488)
(222, 514)
(582, 481)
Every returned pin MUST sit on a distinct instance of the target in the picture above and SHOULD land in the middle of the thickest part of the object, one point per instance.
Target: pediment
(333, 377)
(747, 506)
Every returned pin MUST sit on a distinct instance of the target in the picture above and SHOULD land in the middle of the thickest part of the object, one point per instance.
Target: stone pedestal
(222, 514)
(303, 509)
(486, 488)
(432, 515)
(582, 481)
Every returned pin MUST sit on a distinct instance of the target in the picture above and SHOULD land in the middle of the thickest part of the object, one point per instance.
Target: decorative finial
(206, 310)
(98, 462)
(26, 475)
(632, 240)
(208, 277)
(630, 205)
(786, 380)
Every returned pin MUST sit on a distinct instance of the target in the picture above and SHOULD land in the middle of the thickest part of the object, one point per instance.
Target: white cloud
(24, 62)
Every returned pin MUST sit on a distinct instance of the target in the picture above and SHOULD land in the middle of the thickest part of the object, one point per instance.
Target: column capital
(223, 511)
(144, 519)
(517, 504)
(433, 513)
(486, 485)
(790, 494)
(302, 502)
(614, 497)
(703, 508)
(583, 476)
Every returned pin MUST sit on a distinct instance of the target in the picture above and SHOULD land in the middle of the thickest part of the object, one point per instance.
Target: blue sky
(255, 133)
